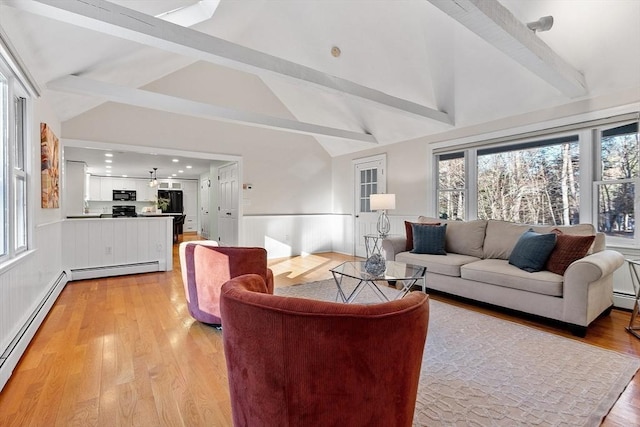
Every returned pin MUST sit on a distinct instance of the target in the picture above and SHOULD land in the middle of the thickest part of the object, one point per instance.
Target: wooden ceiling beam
(497, 25)
(172, 104)
(109, 18)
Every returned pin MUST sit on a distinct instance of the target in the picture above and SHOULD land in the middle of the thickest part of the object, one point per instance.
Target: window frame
(598, 181)
(589, 152)
(16, 134)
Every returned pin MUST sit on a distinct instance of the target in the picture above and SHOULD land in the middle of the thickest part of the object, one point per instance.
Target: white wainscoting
(288, 235)
(28, 289)
(111, 246)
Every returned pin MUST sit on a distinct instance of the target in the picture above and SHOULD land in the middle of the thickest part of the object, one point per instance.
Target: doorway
(370, 178)
(228, 190)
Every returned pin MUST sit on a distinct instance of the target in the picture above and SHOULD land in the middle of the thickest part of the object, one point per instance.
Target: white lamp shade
(381, 202)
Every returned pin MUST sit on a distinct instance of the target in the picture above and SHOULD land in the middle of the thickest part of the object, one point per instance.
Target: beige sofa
(476, 266)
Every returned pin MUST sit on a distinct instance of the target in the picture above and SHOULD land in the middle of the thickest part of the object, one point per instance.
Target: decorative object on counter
(162, 204)
(375, 265)
(49, 167)
(382, 202)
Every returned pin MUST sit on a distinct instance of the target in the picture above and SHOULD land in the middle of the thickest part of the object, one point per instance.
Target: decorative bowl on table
(375, 265)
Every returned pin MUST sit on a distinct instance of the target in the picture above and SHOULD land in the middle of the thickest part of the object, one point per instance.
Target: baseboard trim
(621, 300)
(115, 270)
(16, 348)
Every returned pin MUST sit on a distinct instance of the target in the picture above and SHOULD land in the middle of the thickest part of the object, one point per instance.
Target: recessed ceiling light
(108, 174)
(173, 174)
(180, 171)
(108, 161)
(108, 154)
(108, 166)
(175, 160)
(189, 166)
(124, 176)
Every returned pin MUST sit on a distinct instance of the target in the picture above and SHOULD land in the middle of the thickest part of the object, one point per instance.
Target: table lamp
(382, 202)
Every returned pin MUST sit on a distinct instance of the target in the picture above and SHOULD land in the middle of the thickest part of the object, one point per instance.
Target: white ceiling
(137, 165)
(409, 50)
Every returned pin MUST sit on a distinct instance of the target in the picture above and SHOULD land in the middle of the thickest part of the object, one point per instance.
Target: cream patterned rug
(478, 370)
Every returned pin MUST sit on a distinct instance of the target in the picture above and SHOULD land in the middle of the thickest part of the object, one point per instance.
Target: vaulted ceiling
(405, 69)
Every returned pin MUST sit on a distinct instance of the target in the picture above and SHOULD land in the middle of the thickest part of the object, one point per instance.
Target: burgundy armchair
(301, 362)
(207, 266)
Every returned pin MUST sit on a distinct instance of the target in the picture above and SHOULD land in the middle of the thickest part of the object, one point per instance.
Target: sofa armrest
(588, 286)
(393, 245)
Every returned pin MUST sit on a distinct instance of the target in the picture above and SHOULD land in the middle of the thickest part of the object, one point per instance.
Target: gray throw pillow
(429, 239)
(532, 250)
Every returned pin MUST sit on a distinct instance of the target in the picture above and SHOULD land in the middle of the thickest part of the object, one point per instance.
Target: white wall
(26, 282)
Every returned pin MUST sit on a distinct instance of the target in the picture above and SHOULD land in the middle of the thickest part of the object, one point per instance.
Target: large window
(532, 183)
(537, 181)
(451, 186)
(13, 165)
(618, 180)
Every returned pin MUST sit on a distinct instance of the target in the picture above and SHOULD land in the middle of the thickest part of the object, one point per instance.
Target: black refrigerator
(175, 200)
(175, 207)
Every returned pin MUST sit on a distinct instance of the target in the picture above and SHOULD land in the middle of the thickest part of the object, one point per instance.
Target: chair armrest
(269, 282)
(393, 245)
(594, 267)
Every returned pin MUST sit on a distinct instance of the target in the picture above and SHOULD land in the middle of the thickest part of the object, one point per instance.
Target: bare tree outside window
(451, 187)
(620, 172)
(536, 183)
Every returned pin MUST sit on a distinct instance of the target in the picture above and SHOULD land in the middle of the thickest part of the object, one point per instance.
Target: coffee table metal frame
(405, 274)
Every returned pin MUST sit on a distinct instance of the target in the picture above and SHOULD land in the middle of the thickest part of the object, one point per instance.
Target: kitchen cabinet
(144, 193)
(123, 184)
(190, 205)
(106, 188)
(169, 184)
(94, 188)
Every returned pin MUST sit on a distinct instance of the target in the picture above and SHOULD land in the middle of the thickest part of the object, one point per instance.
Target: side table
(634, 322)
(373, 243)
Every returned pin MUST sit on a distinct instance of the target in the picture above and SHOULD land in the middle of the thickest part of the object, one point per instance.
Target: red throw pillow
(568, 249)
(409, 232)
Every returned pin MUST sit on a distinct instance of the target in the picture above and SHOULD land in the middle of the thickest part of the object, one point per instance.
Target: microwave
(129, 195)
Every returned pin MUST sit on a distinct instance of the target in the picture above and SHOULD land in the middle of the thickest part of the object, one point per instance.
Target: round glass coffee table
(407, 275)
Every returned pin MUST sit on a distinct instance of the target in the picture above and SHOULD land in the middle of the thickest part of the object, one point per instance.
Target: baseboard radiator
(114, 270)
(12, 354)
(623, 300)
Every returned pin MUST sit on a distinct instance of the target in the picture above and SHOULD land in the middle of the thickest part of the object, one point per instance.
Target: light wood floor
(124, 351)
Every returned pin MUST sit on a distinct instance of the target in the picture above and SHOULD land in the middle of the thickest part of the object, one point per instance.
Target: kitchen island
(100, 247)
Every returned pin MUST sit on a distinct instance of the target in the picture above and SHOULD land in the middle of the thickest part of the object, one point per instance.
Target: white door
(205, 187)
(370, 178)
(228, 204)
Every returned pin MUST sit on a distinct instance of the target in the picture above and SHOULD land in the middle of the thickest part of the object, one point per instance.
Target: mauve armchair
(301, 362)
(207, 266)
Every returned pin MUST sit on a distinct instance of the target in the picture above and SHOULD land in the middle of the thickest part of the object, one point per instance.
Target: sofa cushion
(428, 239)
(576, 230)
(446, 265)
(568, 249)
(499, 272)
(501, 237)
(463, 237)
(532, 250)
(409, 232)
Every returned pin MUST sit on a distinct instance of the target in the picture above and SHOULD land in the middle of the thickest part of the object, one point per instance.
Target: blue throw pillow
(429, 239)
(532, 250)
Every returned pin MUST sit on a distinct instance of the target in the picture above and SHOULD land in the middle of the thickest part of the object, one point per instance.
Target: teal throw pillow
(429, 239)
(532, 250)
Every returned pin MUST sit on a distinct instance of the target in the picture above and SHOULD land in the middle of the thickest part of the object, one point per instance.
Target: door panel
(228, 191)
(370, 178)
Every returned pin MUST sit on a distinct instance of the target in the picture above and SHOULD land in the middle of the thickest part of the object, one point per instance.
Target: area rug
(478, 370)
